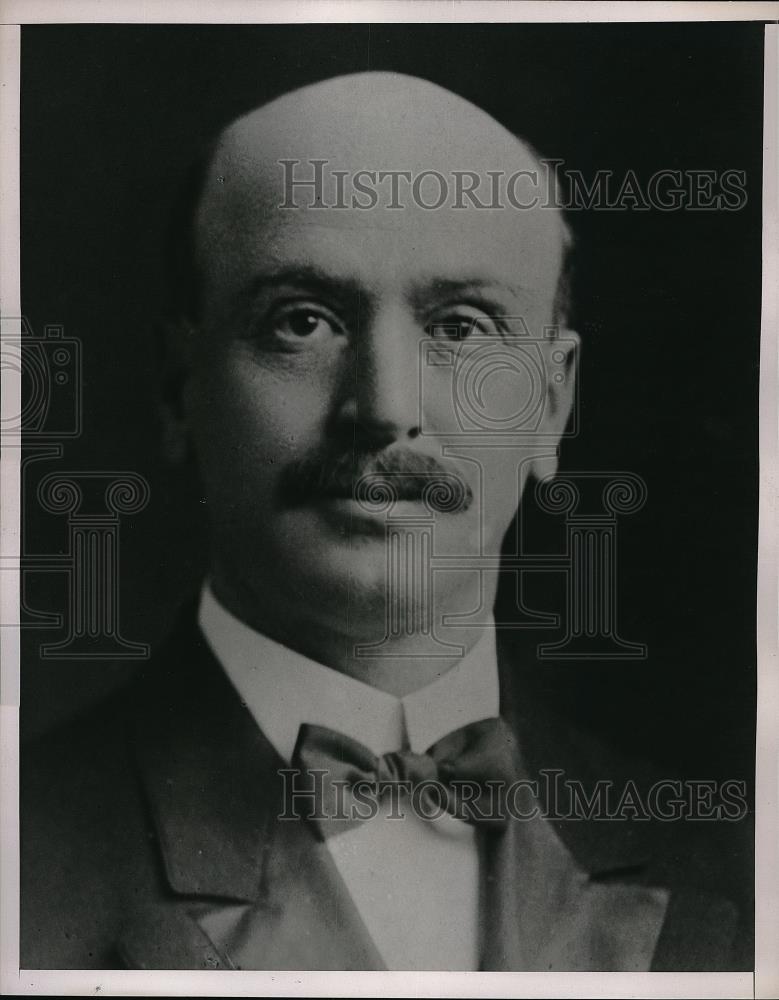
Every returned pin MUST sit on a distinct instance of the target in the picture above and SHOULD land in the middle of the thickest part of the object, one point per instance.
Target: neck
(398, 663)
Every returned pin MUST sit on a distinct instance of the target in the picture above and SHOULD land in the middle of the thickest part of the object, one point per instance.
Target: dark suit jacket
(150, 839)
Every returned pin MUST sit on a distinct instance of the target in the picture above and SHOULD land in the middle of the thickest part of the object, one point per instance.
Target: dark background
(668, 306)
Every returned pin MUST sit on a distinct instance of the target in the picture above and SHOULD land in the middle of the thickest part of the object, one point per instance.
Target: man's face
(340, 344)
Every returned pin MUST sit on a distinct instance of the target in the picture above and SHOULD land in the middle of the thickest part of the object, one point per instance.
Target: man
(346, 354)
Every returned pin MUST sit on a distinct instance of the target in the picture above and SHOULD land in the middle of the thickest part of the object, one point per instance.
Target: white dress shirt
(414, 882)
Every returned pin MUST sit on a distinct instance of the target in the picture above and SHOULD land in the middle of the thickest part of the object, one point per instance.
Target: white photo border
(765, 981)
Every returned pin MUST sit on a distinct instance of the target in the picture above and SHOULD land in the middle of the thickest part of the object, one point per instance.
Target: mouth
(381, 493)
(361, 516)
(383, 488)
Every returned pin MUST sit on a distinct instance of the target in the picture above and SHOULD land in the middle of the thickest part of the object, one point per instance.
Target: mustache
(377, 479)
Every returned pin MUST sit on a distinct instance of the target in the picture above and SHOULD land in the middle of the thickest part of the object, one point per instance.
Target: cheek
(489, 387)
(258, 411)
(504, 475)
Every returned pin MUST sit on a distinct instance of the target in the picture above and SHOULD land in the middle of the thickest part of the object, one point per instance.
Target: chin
(352, 577)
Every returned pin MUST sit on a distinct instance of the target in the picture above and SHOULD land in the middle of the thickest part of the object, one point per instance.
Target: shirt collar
(283, 689)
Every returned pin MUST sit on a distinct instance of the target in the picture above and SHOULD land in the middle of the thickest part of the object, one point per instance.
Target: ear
(175, 348)
(561, 359)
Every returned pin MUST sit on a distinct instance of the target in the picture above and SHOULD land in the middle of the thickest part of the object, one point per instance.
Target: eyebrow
(303, 275)
(451, 286)
(320, 281)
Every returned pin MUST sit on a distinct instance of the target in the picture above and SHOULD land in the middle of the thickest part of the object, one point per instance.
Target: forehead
(365, 129)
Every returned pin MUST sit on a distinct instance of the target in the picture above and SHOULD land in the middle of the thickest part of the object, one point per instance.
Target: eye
(296, 324)
(462, 323)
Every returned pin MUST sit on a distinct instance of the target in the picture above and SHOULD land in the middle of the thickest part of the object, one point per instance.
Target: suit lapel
(246, 889)
(166, 935)
(574, 895)
(545, 913)
(306, 918)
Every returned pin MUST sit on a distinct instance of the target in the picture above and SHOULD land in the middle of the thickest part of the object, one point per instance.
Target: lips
(376, 482)
(440, 492)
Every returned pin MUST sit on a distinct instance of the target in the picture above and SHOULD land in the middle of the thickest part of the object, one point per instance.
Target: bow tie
(466, 774)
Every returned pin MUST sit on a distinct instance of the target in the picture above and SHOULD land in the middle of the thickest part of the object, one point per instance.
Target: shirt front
(415, 882)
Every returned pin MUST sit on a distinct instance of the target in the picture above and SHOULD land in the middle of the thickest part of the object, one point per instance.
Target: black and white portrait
(389, 495)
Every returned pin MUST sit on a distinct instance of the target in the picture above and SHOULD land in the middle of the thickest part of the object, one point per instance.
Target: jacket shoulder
(86, 846)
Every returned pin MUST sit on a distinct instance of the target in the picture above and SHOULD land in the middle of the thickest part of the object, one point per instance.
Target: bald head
(371, 121)
(363, 151)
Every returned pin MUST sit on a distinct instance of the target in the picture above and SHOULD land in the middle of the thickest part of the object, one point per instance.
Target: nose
(384, 397)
